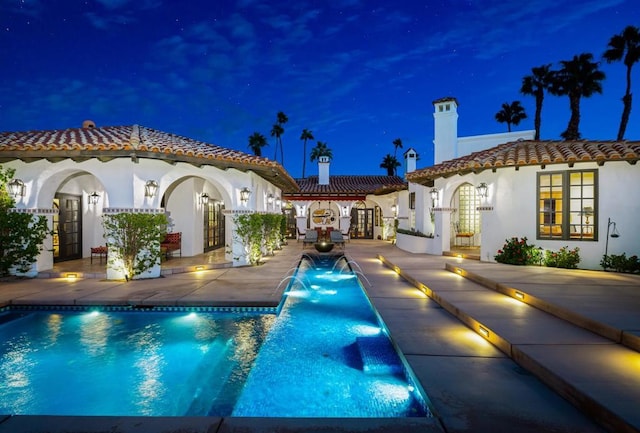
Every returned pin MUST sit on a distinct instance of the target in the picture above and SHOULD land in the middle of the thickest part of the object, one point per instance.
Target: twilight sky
(358, 73)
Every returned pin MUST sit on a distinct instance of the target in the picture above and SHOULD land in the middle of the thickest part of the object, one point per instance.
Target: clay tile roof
(348, 186)
(128, 141)
(529, 152)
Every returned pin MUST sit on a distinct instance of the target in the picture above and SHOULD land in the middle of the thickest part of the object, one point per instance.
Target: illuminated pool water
(326, 354)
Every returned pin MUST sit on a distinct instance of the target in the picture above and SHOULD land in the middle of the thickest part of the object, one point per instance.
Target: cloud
(30, 8)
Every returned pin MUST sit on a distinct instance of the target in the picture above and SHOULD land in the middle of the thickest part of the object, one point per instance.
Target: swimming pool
(326, 354)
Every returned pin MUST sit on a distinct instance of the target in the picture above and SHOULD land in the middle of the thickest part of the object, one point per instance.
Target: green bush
(21, 234)
(133, 240)
(414, 233)
(621, 263)
(517, 252)
(564, 258)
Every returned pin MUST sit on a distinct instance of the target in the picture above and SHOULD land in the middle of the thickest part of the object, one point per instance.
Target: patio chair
(310, 237)
(336, 238)
(300, 234)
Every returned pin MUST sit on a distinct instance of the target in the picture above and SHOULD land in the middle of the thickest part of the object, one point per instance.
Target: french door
(67, 227)
(362, 223)
(213, 225)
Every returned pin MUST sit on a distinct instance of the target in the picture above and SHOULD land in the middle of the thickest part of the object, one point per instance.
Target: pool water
(126, 363)
(326, 354)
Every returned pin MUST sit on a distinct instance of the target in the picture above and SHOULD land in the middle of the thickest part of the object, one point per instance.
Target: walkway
(474, 386)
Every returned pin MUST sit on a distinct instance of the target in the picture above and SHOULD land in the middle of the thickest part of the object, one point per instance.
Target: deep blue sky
(358, 73)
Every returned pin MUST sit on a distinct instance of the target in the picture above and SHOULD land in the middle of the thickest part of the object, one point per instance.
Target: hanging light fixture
(244, 195)
(16, 188)
(434, 196)
(150, 188)
(482, 189)
(204, 198)
(94, 197)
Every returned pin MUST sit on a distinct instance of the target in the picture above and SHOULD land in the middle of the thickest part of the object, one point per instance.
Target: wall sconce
(482, 189)
(150, 188)
(204, 198)
(93, 198)
(345, 211)
(394, 209)
(270, 199)
(16, 188)
(278, 201)
(434, 196)
(244, 195)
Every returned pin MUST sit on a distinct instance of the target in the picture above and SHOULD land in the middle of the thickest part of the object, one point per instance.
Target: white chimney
(410, 158)
(323, 170)
(445, 142)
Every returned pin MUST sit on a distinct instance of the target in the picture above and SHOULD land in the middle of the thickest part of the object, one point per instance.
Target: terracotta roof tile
(529, 152)
(120, 141)
(360, 185)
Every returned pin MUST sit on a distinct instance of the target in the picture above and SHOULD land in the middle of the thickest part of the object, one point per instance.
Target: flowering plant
(564, 258)
(517, 252)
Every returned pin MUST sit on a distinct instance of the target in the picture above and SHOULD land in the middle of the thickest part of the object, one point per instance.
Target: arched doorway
(465, 222)
(361, 221)
(214, 225)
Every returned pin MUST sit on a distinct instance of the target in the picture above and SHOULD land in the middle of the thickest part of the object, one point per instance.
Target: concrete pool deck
(569, 364)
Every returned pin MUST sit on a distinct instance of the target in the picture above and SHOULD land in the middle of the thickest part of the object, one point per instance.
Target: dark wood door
(213, 225)
(362, 223)
(67, 225)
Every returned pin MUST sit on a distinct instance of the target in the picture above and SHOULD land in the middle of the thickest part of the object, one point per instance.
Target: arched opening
(465, 222)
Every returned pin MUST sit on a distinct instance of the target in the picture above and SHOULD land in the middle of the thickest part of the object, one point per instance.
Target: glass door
(67, 227)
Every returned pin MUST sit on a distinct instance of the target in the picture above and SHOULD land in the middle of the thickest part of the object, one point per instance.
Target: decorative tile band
(445, 209)
(484, 208)
(237, 211)
(35, 211)
(140, 309)
(115, 210)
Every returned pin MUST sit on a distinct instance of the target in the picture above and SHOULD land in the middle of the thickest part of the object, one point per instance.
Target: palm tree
(511, 114)
(578, 77)
(391, 164)
(276, 131)
(321, 149)
(306, 135)
(256, 142)
(625, 47)
(397, 143)
(536, 84)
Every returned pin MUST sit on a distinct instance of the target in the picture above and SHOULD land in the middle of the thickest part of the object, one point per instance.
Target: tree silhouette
(391, 164)
(578, 77)
(276, 131)
(306, 135)
(511, 114)
(625, 47)
(256, 142)
(321, 149)
(397, 143)
(536, 84)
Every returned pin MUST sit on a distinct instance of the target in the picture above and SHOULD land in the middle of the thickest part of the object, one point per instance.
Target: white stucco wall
(120, 184)
(511, 210)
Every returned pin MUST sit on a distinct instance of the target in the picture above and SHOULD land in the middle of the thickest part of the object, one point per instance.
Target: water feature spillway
(328, 354)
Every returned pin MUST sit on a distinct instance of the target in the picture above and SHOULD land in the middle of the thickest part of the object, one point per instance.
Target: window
(567, 205)
(468, 216)
(412, 200)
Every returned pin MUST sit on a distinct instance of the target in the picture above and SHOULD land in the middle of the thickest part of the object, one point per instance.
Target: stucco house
(75, 176)
(485, 189)
(359, 206)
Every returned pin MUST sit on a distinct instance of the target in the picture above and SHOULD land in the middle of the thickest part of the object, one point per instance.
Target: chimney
(88, 124)
(445, 140)
(410, 158)
(323, 170)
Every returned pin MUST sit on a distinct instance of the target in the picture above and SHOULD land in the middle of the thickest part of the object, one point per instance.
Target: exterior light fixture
(482, 189)
(613, 234)
(434, 196)
(16, 188)
(204, 198)
(519, 295)
(394, 209)
(270, 199)
(94, 197)
(150, 188)
(483, 331)
(244, 195)
(278, 201)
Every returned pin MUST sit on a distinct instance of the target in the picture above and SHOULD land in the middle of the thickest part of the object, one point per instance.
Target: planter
(323, 247)
(416, 244)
